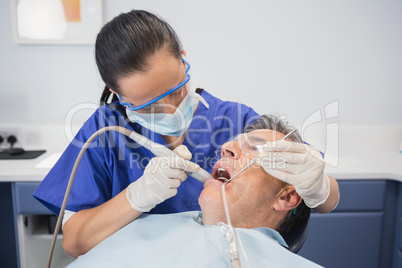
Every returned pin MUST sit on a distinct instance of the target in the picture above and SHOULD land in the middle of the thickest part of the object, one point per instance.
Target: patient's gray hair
(274, 123)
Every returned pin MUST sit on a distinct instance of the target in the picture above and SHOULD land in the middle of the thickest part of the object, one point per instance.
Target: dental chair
(295, 238)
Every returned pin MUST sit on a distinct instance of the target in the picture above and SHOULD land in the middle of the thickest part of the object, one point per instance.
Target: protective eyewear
(252, 144)
(140, 106)
(248, 144)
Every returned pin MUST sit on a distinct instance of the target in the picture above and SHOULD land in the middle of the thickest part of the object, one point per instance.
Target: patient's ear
(288, 199)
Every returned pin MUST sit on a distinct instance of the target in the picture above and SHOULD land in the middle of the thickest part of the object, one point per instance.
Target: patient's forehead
(268, 134)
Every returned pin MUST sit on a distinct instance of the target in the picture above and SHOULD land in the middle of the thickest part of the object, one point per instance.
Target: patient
(262, 208)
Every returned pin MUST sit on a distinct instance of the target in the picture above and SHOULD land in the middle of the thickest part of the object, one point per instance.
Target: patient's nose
(231, 150)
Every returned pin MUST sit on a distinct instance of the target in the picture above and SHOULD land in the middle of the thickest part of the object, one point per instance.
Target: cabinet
(360, 231)
(33, 235)
(365, 230)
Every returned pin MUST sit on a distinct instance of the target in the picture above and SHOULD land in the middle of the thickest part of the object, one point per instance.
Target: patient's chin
(210, 197)
(203, 199)
(211, 208)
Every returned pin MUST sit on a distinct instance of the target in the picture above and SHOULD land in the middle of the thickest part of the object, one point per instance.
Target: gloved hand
(300, 165)
(162, 176)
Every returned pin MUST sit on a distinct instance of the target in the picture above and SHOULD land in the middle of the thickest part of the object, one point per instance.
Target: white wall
(288, 57)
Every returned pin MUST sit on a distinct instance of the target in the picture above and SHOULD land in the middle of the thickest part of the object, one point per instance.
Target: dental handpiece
(159, 150)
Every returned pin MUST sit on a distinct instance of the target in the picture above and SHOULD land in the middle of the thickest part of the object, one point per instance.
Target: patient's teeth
(222, 179)
(219, 171)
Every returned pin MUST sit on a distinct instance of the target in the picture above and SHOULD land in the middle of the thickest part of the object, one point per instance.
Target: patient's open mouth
(221, 172)
(223, 175)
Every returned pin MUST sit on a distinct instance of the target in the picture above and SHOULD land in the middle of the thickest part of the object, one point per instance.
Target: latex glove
(300, 165)
(162, 176)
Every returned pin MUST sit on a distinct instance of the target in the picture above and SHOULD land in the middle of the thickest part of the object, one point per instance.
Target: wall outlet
(7, 132)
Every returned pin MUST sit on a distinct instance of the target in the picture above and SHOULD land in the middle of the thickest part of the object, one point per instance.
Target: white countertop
(24, 170)
(365, 152)
(50, 138)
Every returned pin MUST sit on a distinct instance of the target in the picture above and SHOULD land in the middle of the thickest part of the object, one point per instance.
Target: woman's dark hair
(294, 217)
(124, 45)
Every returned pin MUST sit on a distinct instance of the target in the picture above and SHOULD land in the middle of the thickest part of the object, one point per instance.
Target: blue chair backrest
(295, 238)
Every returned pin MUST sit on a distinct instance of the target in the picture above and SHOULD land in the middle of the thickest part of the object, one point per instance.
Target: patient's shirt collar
(267, 231)
(273, 234)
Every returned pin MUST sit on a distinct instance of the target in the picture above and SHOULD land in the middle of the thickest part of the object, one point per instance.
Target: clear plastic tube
(225, 204)
(234, 246)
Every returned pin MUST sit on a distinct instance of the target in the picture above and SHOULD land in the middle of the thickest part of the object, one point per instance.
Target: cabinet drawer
(25, 203)
(359, 195)
(344, 239)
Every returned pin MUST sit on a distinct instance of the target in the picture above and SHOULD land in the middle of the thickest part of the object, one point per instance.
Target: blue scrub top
(113, 160)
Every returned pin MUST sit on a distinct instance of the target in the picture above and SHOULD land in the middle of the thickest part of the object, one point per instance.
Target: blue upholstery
(295, 238)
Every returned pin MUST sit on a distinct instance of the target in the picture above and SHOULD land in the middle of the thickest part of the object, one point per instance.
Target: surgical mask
(168, 124)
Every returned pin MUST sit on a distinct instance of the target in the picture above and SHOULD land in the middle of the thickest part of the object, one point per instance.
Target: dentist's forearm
(87, 228)
(332, 199)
